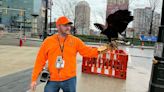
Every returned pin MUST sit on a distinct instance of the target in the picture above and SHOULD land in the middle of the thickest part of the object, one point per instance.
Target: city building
(114, 5)
(1, 11)
(82, 18)
(15, 19)
(142, 21)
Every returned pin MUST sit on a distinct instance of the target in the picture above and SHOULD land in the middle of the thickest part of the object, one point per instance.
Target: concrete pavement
(15, 58)
(15, 68)
(139, 69)
(16, 64)
(137, 81)
(16, 82)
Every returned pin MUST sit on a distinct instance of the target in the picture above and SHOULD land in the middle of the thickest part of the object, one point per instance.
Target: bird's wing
(119, 20)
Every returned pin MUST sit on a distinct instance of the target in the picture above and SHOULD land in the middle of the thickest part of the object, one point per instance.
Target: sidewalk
(31, 39)
(144, 47)
(138, 76)
(136, 82)
(14, 58)
(93, 43)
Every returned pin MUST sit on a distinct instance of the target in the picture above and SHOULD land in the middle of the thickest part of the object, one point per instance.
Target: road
(12, 39)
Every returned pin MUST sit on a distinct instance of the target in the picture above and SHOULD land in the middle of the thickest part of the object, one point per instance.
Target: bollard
(20, 42)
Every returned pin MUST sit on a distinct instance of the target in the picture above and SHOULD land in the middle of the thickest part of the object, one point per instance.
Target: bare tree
(154, 5)
(67, 9)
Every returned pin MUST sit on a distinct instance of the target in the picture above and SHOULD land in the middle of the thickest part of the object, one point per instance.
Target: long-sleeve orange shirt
(50, 49)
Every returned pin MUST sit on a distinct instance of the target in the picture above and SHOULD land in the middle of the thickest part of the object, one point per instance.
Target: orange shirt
(50, 49)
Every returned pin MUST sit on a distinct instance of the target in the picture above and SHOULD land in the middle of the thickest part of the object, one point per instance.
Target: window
(25, 1)
(0, 2)
(0, 18)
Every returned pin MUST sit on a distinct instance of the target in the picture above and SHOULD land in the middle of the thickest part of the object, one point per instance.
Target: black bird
(116, 23)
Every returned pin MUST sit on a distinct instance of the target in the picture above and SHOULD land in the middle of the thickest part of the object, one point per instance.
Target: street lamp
(46, 15)
(50, 15)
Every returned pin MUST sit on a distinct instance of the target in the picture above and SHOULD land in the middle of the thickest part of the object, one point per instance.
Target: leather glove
(113, 45)
(103, 49)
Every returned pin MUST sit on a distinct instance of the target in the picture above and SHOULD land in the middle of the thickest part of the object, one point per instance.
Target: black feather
(116, 23)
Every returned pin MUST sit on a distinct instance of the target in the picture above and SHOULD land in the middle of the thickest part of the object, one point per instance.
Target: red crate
(86, 69)
(112, 64)
(120, 74)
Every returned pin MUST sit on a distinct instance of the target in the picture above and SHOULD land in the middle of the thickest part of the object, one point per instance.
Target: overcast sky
(99, 6)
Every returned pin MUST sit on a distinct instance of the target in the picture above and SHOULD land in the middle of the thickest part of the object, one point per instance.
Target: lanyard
(61, 46)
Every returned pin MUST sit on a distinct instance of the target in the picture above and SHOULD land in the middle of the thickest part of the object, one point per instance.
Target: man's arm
(85, 50)
(40, 61)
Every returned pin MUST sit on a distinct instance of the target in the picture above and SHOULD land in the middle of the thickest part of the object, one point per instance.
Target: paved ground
(15, 58)
(137, 81)
(12, 39)
(139, 68)
(16, 82)
(16, 64)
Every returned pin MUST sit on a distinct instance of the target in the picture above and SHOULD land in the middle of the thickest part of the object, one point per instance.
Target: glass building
(15, 19)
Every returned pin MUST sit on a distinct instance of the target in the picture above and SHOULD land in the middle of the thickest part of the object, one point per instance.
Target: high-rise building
(1, 11)
(114, 5)
(82, 18)
(15, 19)
(142, 21)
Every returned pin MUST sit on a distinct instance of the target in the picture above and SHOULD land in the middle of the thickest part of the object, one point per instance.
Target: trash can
(157, 76)
(156, 83)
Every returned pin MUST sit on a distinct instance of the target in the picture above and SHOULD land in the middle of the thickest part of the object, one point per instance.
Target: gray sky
(99, 6)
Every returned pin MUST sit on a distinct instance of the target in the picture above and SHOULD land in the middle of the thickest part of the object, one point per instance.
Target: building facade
(82, 18)
(114, 5)
(1, 11)
(16, 20)
(142, 21)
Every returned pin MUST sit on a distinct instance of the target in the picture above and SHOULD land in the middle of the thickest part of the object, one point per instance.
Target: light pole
(24, 19)
(45, 26)
(156, 83)
(50, 16)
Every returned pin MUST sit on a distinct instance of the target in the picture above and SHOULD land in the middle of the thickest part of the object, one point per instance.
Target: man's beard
(65, 33)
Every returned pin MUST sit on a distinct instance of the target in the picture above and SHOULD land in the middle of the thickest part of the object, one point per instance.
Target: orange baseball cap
(63, 21)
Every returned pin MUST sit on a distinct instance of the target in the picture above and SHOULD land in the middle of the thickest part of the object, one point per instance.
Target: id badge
(59, 62)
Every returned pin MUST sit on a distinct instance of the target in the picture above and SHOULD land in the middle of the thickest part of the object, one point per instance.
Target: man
(60, 50)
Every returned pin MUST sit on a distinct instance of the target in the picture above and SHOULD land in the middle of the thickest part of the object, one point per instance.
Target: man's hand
(33, 86)
(111, 46)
